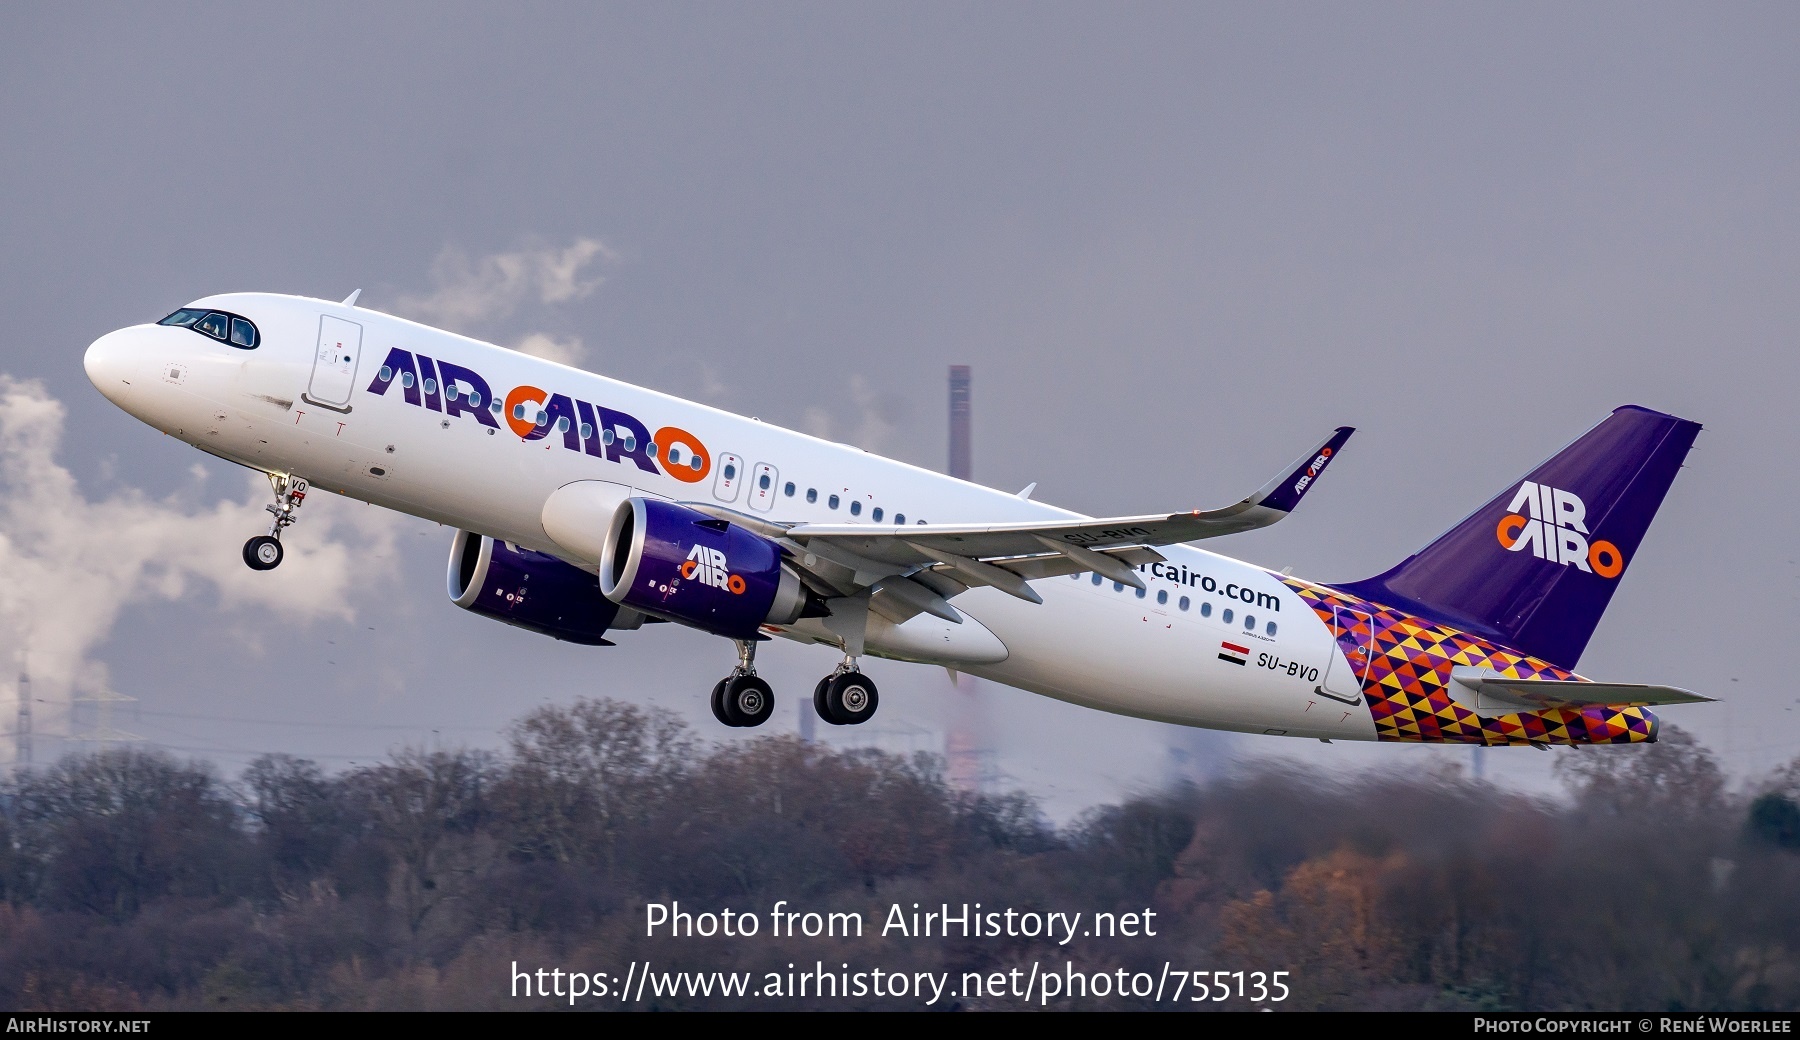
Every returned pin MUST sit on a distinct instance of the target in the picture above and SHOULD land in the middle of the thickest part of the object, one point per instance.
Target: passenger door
(334, 363)
(1344, 672)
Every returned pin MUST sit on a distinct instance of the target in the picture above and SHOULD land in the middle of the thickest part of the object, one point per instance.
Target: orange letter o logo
(1510, 526)
(736, 584)
(1606, 559)
(523, 427)
(669, 436)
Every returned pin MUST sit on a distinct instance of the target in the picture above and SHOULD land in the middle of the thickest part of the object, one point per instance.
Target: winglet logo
(707, 566)
(1313, 471)
(1552, 523)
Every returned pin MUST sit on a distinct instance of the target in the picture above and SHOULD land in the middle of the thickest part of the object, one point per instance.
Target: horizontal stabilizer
(1488, 694)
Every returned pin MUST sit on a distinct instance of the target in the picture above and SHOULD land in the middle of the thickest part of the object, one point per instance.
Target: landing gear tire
(821, 705)
(263, 553)
(718, 703)
(849, 699)
(745, 701)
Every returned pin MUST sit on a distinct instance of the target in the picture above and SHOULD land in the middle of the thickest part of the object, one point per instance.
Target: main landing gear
(263, 553)
(742, 699)
(846, 697)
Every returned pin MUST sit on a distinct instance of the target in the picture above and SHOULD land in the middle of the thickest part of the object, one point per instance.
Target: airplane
(585, 506)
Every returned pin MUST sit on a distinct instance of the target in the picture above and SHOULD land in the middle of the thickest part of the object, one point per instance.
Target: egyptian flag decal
(1234, 653)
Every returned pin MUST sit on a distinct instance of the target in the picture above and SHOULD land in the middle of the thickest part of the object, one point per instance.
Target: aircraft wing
(1487, 694)
(914, 569)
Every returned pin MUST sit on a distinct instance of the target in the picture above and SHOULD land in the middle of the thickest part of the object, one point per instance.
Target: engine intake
(531, 590)
(679, 563)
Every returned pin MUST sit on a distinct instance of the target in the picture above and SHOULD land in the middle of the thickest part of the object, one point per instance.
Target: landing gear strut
(263, 553)
(741, 698)
(846, 697)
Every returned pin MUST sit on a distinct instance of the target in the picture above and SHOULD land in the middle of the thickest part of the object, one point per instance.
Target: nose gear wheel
(264, 553)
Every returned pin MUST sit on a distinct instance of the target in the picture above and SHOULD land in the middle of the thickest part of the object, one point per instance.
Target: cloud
(73, 563)
(470, 292)
(878, 416)
(564, 352)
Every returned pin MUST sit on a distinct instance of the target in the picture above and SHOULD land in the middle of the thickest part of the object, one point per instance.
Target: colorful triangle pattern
(1408, 672)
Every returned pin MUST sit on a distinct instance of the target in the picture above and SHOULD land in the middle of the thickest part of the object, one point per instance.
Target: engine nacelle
(531, 590)
(678, 563)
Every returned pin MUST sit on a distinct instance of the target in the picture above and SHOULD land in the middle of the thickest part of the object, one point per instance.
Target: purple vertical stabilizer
(1535, 567)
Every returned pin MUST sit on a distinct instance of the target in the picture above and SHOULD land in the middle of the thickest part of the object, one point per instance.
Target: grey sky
(1177, 242)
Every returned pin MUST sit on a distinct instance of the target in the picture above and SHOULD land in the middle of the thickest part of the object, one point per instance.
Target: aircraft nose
(112, 363)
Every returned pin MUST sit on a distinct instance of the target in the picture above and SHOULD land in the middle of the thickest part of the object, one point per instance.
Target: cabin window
(607, 436)
(1140, 594)
(1184, 603)
(674, 455)
(1118, 586)
(1097, 579)
(1269, 629)
(763, 482)
(856, 507)
(385, 374)
(900, 518)
(730, 471)
(831, 503)
(587, 431)
(1226, 617)
(789, 489)
(1162, 596)
(630, 442)
(430, 385)
(562, 424)
(1249, 623)
(1206, 610)
(649, 449)
(812, 495)
(876, 515)
(407, 380)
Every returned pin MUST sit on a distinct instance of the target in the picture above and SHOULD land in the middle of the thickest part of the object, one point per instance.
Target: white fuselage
(1097, 644)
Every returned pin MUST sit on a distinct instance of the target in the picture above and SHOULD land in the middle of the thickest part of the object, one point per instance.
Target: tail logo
(1552, 523)
(707, 566)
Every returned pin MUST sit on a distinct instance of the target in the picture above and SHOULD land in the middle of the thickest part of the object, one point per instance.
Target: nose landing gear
(263, 553)
(846, 697)
(742, 699)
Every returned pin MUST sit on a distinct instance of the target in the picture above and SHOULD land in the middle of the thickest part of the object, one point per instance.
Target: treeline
(130, 880)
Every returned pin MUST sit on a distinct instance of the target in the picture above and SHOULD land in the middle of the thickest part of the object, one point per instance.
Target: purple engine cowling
(678, 563)
(531, 590)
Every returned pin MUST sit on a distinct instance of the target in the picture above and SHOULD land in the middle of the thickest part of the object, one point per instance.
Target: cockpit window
(183, 317)
(226, 328)
(214, 325)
